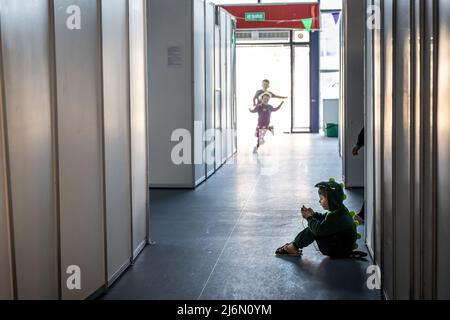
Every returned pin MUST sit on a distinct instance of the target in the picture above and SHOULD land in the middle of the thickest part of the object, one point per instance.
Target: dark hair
(323, 192)
(265, 80)
(266, 95)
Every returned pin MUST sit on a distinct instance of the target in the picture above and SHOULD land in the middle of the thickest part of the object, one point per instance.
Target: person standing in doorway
(257, 99)
(264, 110)
(359, 145)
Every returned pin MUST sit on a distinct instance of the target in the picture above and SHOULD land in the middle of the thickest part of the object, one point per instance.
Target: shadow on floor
(218, 241)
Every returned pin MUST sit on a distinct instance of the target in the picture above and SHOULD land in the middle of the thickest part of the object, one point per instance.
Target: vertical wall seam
(205, 142)
(394, 144)
(374, 144)
(192, 84)
(55, 140)
(5, 146)
(412, 134)
(421, 208)
(419, 73)
(422, 89)
(344, 95)
(8, 189)
(371, 98)
(103, 135)
(292, 70)
(436, 45)
(381, 134)
(130, 132)
(147, 131)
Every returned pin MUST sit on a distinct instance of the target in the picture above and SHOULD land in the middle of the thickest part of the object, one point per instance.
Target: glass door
(301, 107)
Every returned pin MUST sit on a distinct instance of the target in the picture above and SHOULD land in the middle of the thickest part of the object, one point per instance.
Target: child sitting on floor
(334, 232)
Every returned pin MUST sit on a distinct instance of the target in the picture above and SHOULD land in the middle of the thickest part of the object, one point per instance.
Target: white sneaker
(255, 150)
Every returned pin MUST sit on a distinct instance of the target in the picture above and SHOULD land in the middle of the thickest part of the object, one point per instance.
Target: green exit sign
(255, 16)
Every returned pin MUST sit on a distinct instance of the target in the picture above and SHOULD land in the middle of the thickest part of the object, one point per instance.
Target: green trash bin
(332, 130)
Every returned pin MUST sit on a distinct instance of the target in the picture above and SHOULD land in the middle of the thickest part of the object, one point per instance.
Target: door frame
(314, 46)
(314, 81)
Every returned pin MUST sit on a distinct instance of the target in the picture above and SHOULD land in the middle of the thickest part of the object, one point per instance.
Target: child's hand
(307, 213)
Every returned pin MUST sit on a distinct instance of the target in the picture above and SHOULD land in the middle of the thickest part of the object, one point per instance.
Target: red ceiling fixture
(275, 16)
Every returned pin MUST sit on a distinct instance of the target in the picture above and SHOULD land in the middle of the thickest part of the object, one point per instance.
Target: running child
(265, 89)
(264, 110)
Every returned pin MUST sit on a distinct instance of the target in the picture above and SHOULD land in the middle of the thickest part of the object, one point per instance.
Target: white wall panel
(170, 88)
(403, 164)
(223, 83)
(28, 106)
(229, 68)
(209, 81)
(443, 154)
(388, 151)
(218, 94)
(199, 89)
(429, 164)
(353, 83)
(138, 112)
(117, 134)
(80, 146)
(233, 86)
(411, 149)
(73, 144)
(6, 276)
(369, 143)
(186, 63)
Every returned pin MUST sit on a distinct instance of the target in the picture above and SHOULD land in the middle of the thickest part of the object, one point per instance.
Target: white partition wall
(6, 275)
(411, 148)
(210, 20)
(28, 119)
(352, 95)
(170, 89)
(218, 93)
(223, 83)
(233, 84)
(138, 111)
(230, 120)
(182, 77)
(199, 90)
(73, 139)
(115, 55)
(78, 75)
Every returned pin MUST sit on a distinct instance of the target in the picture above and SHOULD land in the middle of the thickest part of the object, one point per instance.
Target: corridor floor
(218, 242)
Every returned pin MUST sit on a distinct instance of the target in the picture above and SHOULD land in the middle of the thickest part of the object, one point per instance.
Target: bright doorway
(255, 63)
(287, 59)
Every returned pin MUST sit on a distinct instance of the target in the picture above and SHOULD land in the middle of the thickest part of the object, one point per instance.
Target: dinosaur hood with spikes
(335, 194)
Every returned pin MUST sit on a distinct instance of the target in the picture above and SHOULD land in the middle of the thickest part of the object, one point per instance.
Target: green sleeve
(323, 228)
(319, 216)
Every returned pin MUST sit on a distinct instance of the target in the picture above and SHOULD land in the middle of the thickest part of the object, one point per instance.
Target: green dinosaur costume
(334, 232)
